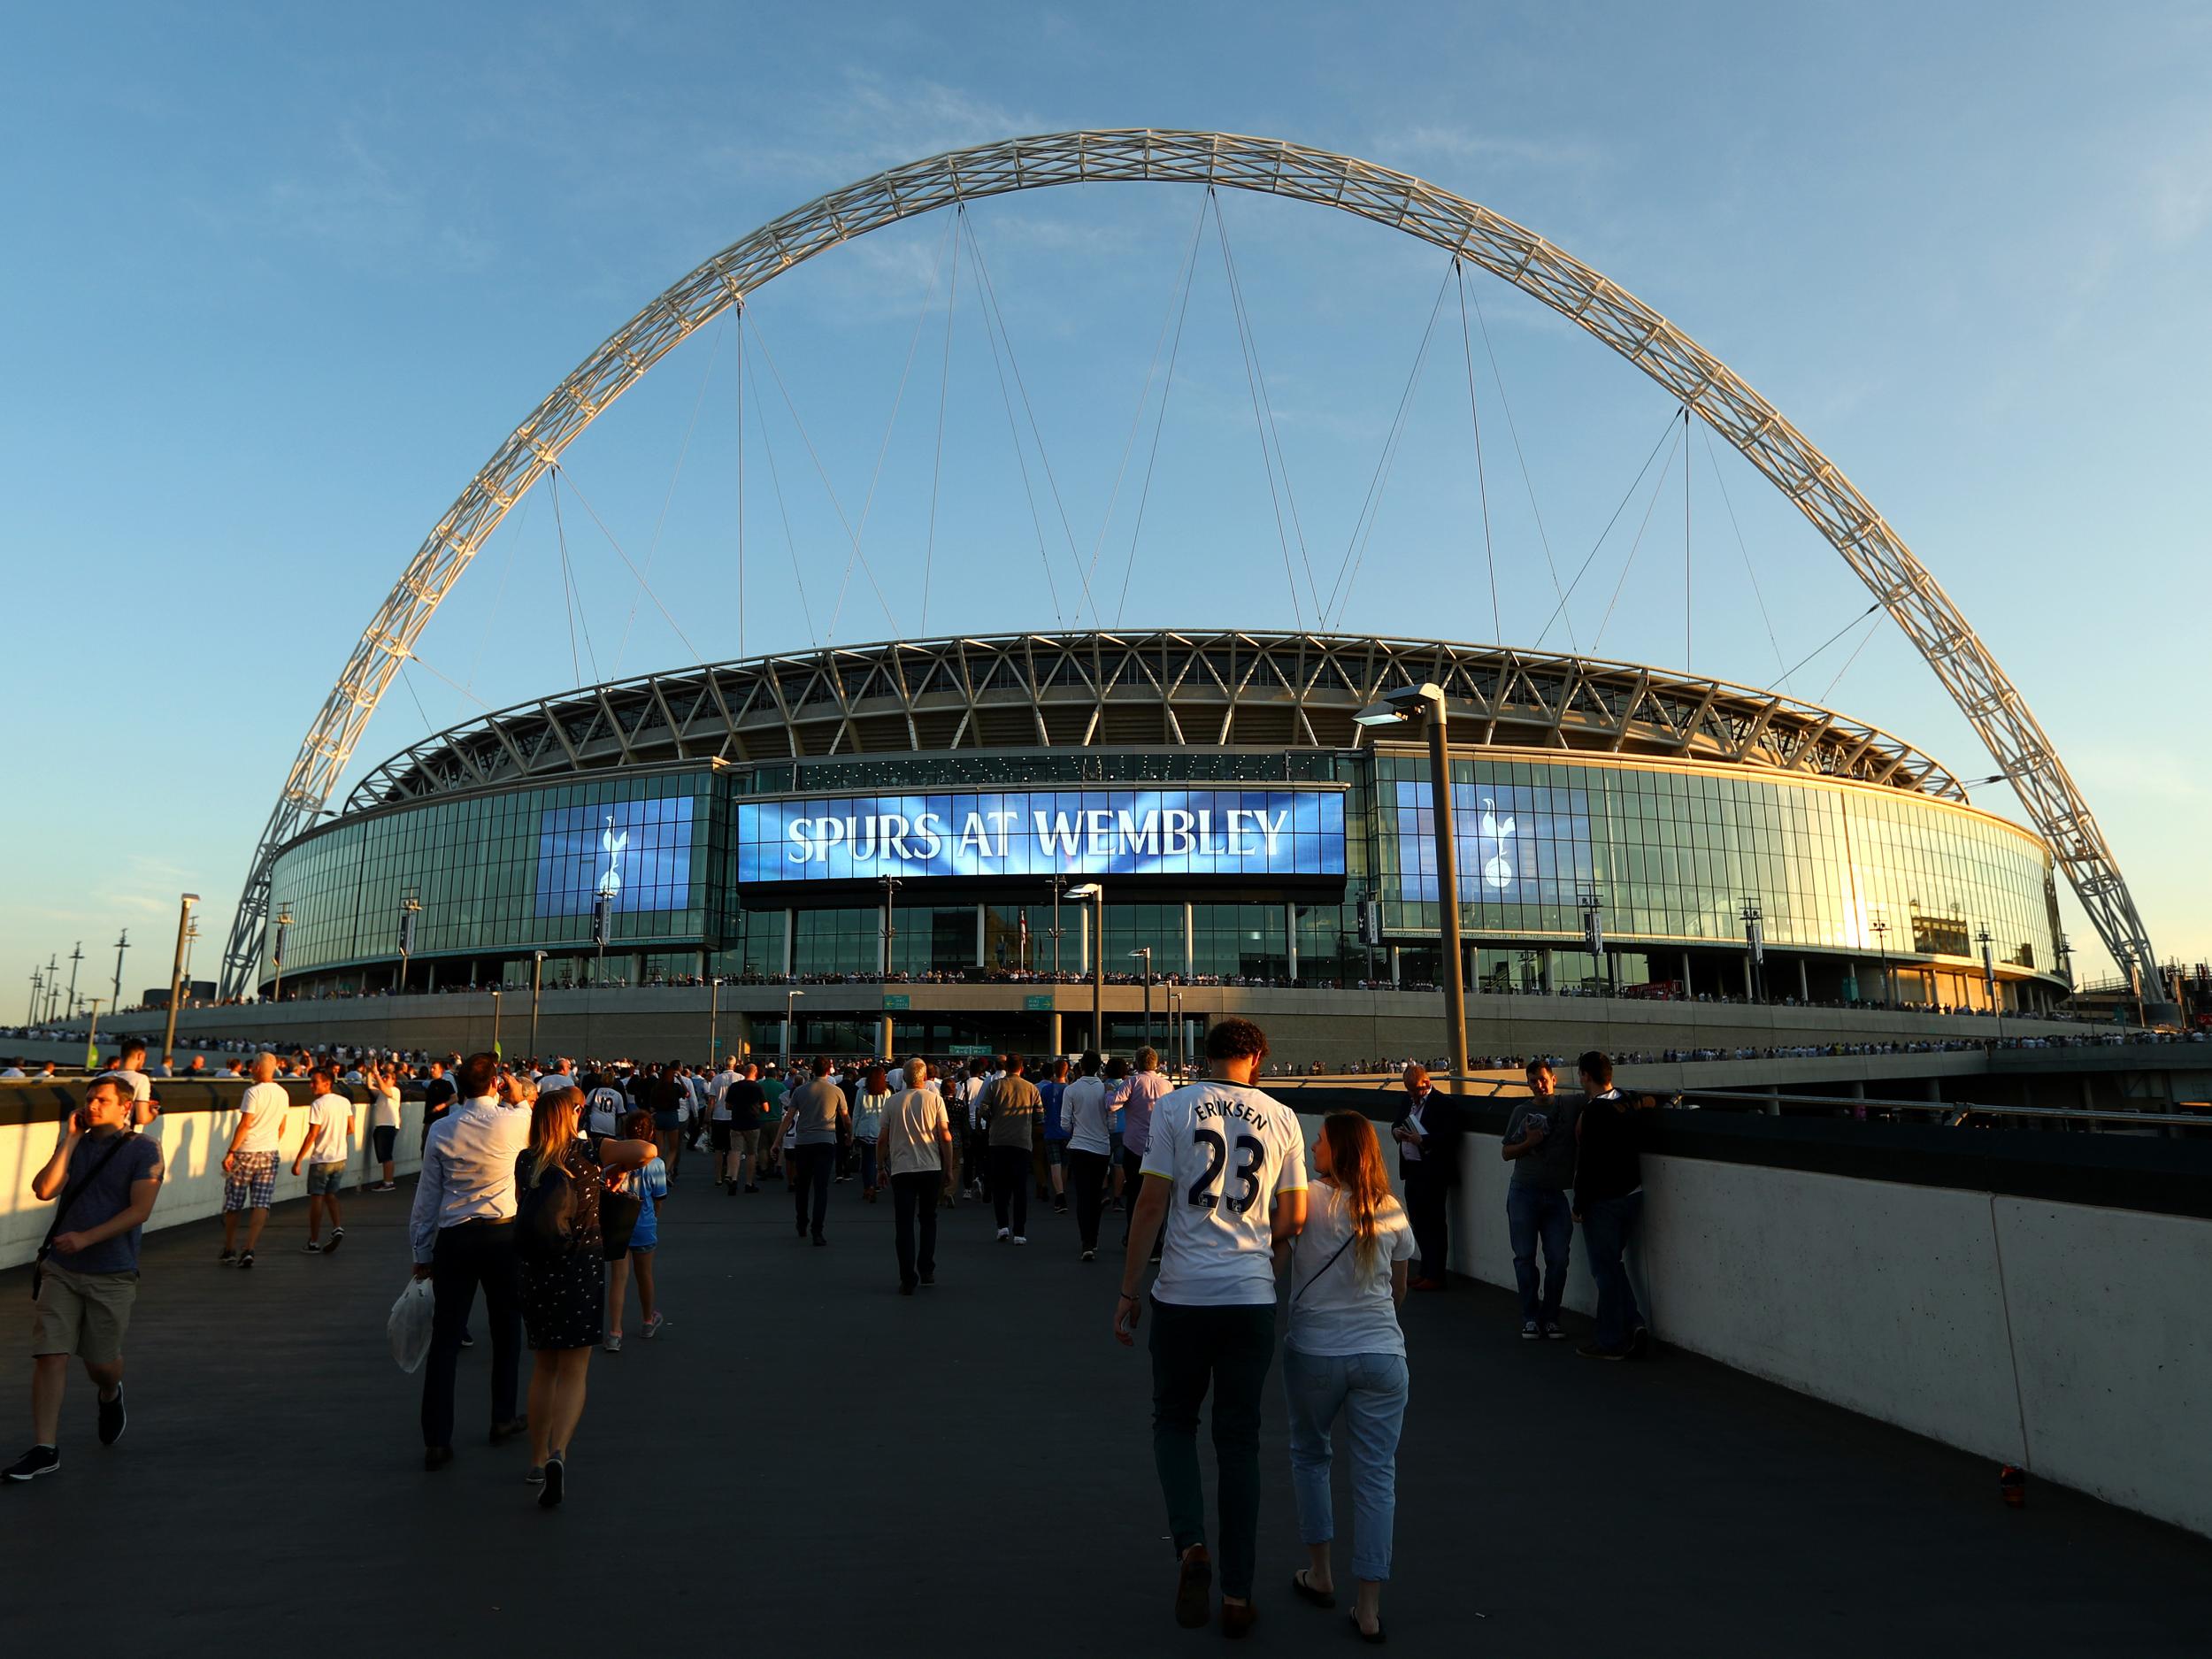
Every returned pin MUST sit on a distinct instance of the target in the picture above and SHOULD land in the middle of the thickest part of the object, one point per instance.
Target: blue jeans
(1369, 1390)
(1608, 1225)
(1531, 1213)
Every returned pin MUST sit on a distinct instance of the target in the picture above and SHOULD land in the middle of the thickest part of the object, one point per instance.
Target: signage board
(1036, 1004)
(897, 1001)
(971, 1049)
(1256, 833)
(632, 855)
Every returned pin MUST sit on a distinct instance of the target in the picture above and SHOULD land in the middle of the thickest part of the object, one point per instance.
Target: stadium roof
(1162, 689)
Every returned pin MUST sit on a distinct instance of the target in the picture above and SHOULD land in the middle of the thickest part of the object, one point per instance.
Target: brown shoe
(1237, 1618)
(1193, 1588)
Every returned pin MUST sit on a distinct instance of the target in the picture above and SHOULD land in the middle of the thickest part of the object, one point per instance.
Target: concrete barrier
(194, 1128)
(2067, 1338)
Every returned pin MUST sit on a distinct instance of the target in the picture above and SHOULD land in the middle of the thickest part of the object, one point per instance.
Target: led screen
(638, 853)
(1512, 843)
(1233, 833)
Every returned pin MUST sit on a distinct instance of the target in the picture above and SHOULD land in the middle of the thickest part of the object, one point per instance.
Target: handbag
(76, 1190)
(619, 1213)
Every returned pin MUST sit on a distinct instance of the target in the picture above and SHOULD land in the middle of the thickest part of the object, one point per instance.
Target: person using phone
(106, 1179)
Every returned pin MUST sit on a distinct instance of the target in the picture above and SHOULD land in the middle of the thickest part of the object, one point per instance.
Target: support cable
(410, 657)
(1560, 610)
(499, 600)
(775, 479)
(1036, 432)
(1713, 462)
(1833, 638)
(829, 489)
(713, 353)
(666, 614)
(1371, 507)
(1474, 410)
(1688, 590)
(568, 585)
(1657, 484)
(944, 384)
(1259, 427)
(1190, 261)
(1013, 429)
(407, 680)
(1257, 373)
(738, 347)
(1528, 482)
(1152, 456)
(1828, 690)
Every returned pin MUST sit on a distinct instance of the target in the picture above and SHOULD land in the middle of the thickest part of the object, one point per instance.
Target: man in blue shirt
(1055, 1140)
(107, 1179)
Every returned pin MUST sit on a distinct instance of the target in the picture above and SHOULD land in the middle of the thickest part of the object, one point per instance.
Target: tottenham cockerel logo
(611, 878)
(1497, 870)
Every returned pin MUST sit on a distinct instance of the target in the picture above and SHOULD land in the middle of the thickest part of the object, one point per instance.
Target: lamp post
(1146, 952)
(76, 955)
(1058, 882)
(1755, 948)
(890, 885)
(38, 984)
(537, 985)
(787, 997)
(409, 907)
(122, 943)
(283, 924)
(1989, 978)
(714, 1013)
(495, 1011)
(1880, 930)
(53, 986)
(1096, 893)
(1426, 702)
(176, 973)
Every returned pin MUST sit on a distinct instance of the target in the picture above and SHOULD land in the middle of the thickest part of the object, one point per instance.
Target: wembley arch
(1465, 229)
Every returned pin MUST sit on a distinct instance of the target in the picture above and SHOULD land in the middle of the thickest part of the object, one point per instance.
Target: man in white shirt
(249, 1162)
(462, 1230)
(323, 1150)
(130, 1066)
(1224, 1173)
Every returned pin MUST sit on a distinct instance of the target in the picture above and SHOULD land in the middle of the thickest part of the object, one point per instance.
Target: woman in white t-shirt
(1345, 1355)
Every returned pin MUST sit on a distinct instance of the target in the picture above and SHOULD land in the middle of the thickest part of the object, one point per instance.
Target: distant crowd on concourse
(545, 1186)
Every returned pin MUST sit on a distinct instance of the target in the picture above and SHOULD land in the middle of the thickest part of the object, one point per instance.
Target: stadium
(960, 813)
(981, 823)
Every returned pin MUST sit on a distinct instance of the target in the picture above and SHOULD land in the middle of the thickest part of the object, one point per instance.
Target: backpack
(541, 1217)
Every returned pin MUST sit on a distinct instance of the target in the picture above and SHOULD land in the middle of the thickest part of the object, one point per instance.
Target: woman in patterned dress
(564, 1274)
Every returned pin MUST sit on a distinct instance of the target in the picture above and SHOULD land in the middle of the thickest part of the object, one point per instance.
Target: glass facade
(1673, 851)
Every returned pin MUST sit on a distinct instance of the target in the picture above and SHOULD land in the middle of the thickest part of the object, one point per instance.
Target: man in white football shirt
(1225, 1173)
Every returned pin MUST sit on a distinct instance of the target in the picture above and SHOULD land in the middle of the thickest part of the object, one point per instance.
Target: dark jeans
(1426, 1197)
(1227, 1350)
(868, 1165)
(914, 1199)
(1087, 1176)
(474, 1253)
(1131, 1184)
(1009, 1187)
(1534, 1213)
(1607, 1225)
(814, 1166)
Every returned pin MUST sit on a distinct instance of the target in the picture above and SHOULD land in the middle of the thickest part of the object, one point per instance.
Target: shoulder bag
(70, 1195)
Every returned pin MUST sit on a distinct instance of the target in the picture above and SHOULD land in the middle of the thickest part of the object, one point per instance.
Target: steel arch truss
(1133, 690)
(1912, 596)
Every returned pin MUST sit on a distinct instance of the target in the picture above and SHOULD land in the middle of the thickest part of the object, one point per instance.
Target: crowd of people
(544, 1188)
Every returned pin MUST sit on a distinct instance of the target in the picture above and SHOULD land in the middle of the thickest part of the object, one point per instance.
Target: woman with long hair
(647, 1189)
(869, 1100)
(1344, 1355)
(559, 1183)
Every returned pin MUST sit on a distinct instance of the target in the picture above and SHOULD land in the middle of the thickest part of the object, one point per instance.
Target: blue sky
(279, 279)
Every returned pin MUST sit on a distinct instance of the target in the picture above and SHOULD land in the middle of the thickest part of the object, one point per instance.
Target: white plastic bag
(409, 1326)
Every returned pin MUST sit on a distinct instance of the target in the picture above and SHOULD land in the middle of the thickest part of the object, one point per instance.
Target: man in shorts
(107, 1179)
(323, 1150)
(249, 1162)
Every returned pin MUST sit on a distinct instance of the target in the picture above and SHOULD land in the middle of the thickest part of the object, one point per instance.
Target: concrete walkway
(806, 1463)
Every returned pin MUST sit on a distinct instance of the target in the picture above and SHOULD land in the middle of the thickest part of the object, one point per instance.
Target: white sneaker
(614, 1343)
(1018, 1239)
(1003, 1235)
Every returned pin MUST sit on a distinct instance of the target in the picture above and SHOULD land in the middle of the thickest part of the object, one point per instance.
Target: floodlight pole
(176, 975)
(537, 982)
(1146, 952)
(122, 943)
(1448, 883)
(283, 926)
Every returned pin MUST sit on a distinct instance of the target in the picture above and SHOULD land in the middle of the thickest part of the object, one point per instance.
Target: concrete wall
(2065, 1337)
(193, 1137)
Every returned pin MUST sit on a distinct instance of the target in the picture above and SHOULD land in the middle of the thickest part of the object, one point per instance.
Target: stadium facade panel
(761, 818)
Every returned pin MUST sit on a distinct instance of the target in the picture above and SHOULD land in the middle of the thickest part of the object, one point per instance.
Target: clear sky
(278, 280)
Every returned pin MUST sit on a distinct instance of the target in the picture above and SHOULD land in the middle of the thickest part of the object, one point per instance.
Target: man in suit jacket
(1427, 1130)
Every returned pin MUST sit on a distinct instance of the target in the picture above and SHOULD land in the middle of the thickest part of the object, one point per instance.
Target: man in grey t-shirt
(818, 1112)
(1540, 1143)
